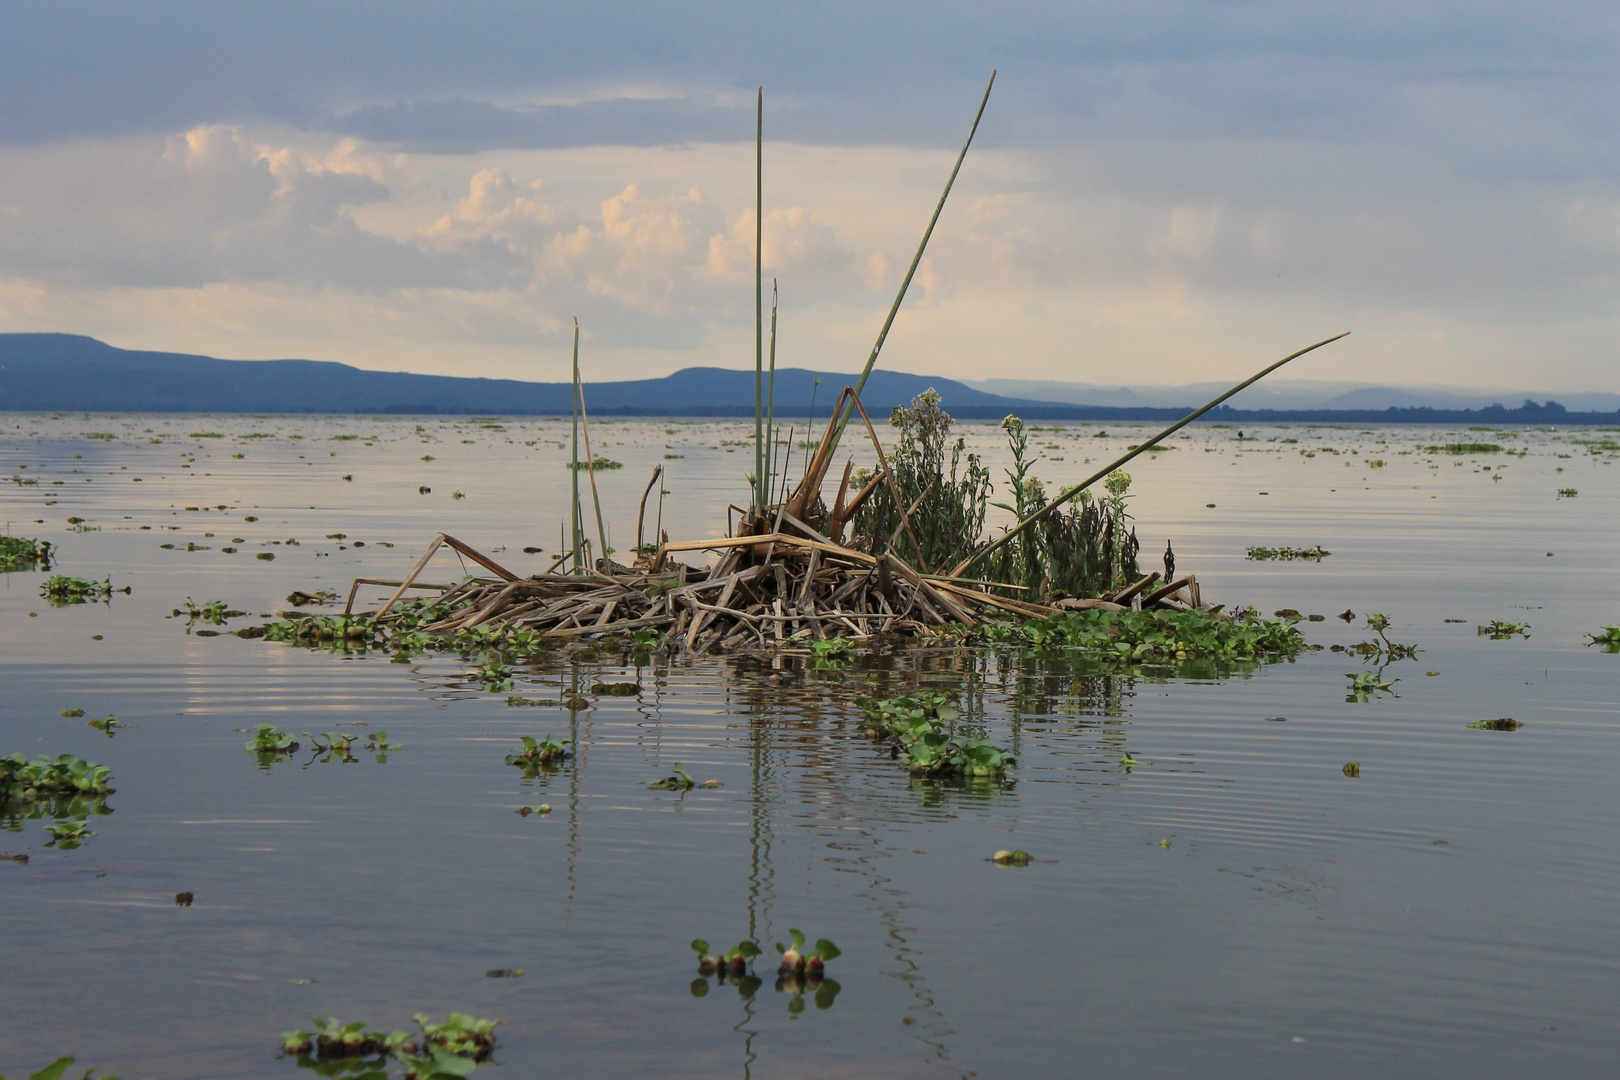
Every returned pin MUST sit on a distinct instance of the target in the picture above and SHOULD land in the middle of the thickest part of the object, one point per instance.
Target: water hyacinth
(1146, 636)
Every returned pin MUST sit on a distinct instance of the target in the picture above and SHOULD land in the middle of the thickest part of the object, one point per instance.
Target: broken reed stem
(905, 283)
(641, 516)
(1068, 494)
(590, 461)
(770, 404)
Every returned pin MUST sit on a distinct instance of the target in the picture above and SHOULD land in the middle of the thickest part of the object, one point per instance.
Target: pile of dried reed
(768, 588)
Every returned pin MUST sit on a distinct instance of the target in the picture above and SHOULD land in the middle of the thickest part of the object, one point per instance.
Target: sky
(1159, 192)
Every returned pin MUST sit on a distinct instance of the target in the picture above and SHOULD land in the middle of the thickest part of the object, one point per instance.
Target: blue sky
(1160, 192)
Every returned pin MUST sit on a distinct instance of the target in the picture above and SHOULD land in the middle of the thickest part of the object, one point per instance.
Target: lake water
(1236, 906)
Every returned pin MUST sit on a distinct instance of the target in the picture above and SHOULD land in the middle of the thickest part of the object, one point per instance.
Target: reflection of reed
(576, 778)
(761, 875)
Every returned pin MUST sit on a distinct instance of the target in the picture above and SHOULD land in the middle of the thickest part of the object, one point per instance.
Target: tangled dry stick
(765, 588)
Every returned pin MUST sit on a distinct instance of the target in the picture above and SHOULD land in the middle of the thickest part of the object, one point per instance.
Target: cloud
(1165, 182)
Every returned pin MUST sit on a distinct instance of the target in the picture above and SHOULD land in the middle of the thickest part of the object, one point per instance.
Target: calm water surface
(1236, 907)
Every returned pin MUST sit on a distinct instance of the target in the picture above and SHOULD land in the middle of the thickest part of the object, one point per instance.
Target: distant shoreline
(74, 373)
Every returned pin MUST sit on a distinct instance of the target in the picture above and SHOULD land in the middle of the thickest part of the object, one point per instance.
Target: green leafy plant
(267, 742)
(460, 1036)
(916, 726)
(539, 753)
(440, 1052)
(1497, 630)
(830, 654)
(25, 781)
(1365, 685)
(1505, 723)
(67, 835)
(1609, 637)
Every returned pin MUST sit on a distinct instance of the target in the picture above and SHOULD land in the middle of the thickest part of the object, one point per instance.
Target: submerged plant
(679, 780)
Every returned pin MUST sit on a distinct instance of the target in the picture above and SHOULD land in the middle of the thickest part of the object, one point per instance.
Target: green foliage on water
(921, 726)
(60, 590)
(66, 788)
(1146, 636)
(1464, 448)
(25, 781)
(1288, 554)
(934, 512)
(539, 754)
(441, 1051)
(678, 780)
(21, 553)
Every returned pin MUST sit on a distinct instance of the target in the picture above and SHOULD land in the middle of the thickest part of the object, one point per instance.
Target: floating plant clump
(211, 611)
(539, 753)
(26, 781)
(1159, 636)
(679, 780)
(60, 590)
(794, 958)
(451, 1049)
(735, 961)
(1497, 630)
(916, 727)
(1609, 636)
(21, 553)
(1288, 554)
(271, 745)
(1366, 685)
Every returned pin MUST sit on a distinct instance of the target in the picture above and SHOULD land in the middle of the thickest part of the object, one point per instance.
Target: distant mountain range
(1290, 394)
(59, 372)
